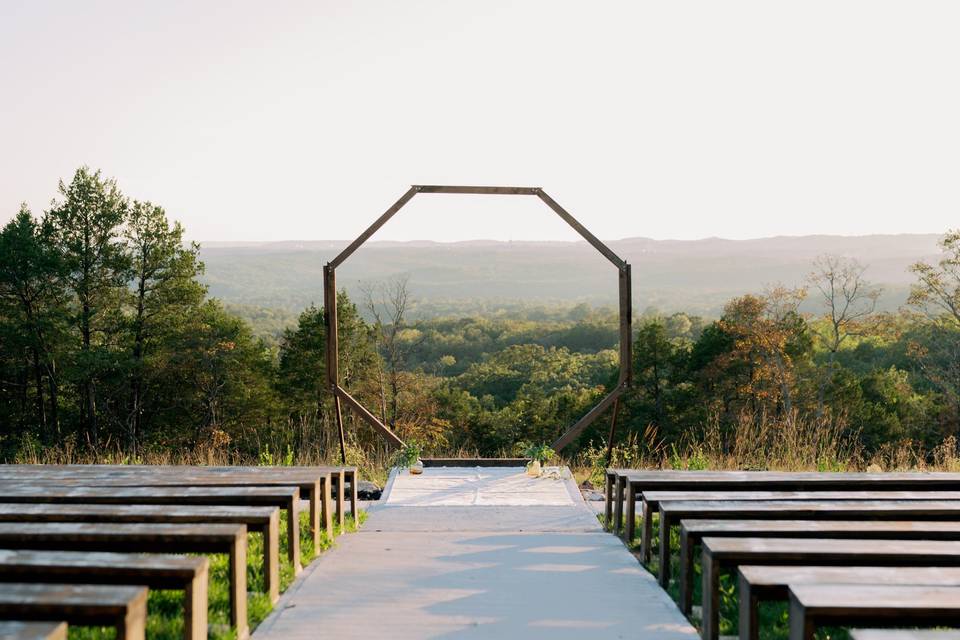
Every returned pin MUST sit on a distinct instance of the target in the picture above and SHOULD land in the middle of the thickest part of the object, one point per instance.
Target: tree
(938, 288)
(849, 301)
(166, 291)
(387, 304)
(29, 290)
(85, 231)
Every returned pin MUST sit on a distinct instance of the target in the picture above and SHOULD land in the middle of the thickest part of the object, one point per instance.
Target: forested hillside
(110, 341)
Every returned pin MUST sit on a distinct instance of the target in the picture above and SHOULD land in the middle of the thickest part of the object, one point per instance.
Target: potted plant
(538, 454)
(409, 458)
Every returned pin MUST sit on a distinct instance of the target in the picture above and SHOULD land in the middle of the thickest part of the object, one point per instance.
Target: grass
(165, 608)
(773, 617)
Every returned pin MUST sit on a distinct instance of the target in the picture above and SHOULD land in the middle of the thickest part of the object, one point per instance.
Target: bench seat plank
(692, 531)
(814, 605)
(721, 554)
(285, 498)
(904, 634)
(758, 584)
(263, 519)
(122, 607)
(13, 630)
(650, 502)
(670, 480)
(230, 539)
(156, 571)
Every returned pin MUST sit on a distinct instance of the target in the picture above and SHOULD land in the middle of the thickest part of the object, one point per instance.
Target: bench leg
(340, 509)
(326, 507)
(646, 531)
(315, 513)
(608, 501)
(238, 587)
(271, 558)
(711, 596)
(801, 627)
(195, 606)
(351, 477)
(133, 626)
(749, 604)
(686, 572)
(630, 524)
(293, 535)
(663, 575)
(618, 507)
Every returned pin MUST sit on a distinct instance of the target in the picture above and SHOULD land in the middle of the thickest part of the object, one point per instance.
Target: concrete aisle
(477, 553)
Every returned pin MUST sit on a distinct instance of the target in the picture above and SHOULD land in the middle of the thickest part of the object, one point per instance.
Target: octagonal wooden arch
(340, 394)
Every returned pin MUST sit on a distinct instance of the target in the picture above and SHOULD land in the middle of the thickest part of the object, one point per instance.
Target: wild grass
(165, 608)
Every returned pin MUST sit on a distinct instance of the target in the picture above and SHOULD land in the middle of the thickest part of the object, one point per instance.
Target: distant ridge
(690, 275)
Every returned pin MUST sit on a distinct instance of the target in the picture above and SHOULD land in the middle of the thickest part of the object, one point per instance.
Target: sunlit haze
(305, 120)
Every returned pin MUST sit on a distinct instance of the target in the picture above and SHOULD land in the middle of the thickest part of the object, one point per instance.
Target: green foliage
(540, 452)
(408, 455)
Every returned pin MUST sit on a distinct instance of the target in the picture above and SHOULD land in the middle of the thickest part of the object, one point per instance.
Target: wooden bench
(651, 502)
(156, 571)
(124, 608)
(262, 519)
(758, 584)
(639, 481)
(671, 513)
(314, 482)
(230, 539)
(815, 605)
(285, 498)
(903, 634)
(724, 554)
(12, 630)
(692, 531)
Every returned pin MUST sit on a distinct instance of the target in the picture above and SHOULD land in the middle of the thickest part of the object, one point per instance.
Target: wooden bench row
(748, 520)
(52, 518)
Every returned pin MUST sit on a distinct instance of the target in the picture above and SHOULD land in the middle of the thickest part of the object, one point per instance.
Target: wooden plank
(286, 498)
(179, 476)
(230, 539)
(476, 190)
(606, 251)
(13, 630)
(568, 436)
(370, 419)
(693, 531)
(122, 607)
(174, 572)
(904, 634)
(263, 519)
(672, 480)
(651, 500)
(758, 584)
(815, 605)
(671, 513)
(724, 554)
(379, 222)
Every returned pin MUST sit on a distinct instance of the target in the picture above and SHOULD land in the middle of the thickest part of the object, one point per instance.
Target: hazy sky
(668, 119)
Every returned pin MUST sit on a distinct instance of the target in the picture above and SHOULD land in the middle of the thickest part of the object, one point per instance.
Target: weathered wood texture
(650, 502)
(692, 531)
(285, 498)
(229, 539)
(12, 630)
(758, 584)
(813, 606)
(156, 571)
(724, 554)
(904, 634)
(262, 519)
(122, 607)
(670, 480)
